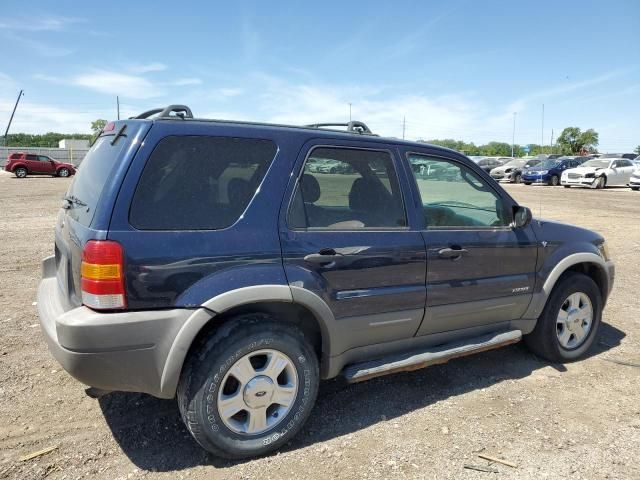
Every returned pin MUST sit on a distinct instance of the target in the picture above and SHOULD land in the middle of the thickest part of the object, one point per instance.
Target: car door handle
(452, 253)
(327, 255)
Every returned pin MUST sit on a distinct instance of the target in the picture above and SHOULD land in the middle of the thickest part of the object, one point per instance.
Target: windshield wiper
(72, 200)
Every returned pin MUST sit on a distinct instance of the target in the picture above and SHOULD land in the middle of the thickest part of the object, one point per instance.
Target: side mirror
(521, 217)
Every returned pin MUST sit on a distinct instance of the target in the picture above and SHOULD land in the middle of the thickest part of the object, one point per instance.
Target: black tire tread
(538, 341)
(192, 376)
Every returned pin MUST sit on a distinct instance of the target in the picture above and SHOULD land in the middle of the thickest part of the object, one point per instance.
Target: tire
(527, 183)
(545, 340)
(20, 172)
(567, 186)
(255, 342)
(63, 172)
(601, 182)
(517, 178)
(635, 189)
(333, 170)
(554, 181)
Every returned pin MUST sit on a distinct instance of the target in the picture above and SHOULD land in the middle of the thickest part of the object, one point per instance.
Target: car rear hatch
(88, 203)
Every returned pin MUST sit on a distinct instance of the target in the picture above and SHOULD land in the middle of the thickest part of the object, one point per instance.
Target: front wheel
(567, 186)
(635, 189)
(600, 183)
(20, 172)
(63, 172)
(527, 183)
(249, 388)
(517, 178)
(570, 320)
(555, 181)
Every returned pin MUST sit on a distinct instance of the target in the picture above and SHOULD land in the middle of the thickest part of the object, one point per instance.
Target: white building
(72, 144)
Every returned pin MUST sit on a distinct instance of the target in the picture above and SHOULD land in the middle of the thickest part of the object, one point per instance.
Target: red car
(23, 164)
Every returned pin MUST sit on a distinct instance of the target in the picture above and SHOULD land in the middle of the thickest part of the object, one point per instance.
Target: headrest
(310, 188)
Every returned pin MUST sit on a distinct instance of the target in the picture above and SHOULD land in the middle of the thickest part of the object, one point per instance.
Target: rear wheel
(570, 320)
(555, 181)
(249, 388)
(63, 172)
(20, 172)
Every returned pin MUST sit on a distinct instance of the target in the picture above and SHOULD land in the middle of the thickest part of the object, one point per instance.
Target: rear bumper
(125, 351)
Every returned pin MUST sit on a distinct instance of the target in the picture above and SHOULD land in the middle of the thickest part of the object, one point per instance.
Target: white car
(599, 173)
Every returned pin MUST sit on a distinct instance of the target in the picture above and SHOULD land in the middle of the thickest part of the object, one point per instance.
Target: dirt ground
(580, 420)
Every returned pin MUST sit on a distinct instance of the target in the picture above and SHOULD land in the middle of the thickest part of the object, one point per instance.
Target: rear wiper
(73, 200)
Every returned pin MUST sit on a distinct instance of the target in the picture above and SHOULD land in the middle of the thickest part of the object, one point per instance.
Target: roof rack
(353, 127)
(181, 111)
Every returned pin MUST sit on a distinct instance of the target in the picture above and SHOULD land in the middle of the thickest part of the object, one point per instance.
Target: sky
(435, 69)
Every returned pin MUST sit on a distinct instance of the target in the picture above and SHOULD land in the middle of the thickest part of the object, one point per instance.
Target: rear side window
(199, 182)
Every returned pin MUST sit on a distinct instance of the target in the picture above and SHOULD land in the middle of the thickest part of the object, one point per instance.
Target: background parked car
(634, 180)
(599, 173)
(549, 171)
(23, 164)
(489, 163)
(628, 156)
(512, 170)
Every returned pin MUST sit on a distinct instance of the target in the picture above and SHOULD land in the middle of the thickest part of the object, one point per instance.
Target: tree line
(572, 141)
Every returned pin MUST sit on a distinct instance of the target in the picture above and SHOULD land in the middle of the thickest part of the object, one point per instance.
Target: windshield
(549, 163)
(597, 163)
(518, 162)
(610, 155)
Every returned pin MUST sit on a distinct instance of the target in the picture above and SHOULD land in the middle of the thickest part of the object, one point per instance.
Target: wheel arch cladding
(584, 262)
(276, 301)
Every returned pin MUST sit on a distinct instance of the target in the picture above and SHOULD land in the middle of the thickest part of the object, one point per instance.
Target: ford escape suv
(212, 262)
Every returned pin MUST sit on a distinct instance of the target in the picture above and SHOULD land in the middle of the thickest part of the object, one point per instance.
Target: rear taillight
(102, 272)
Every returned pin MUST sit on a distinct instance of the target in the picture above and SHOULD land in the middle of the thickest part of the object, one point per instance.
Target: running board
(408, 361)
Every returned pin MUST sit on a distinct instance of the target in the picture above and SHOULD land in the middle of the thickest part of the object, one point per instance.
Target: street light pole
(513, 135)
(6, 132)
(349, 111)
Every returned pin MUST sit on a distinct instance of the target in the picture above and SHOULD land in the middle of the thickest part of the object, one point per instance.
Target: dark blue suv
(213, 261)
(549, 171)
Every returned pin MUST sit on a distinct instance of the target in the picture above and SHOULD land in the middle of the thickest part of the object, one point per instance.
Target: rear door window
(347, 189)
(199, 182)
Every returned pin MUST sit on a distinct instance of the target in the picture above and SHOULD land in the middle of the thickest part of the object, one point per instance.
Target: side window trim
(505, 199)
(395, 162)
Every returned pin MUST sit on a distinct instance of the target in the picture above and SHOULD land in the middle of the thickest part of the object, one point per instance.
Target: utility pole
(6, 132)
(552, 140)
(349, 111)
(513, 135)
(542, 132)
(118, 106)
(404, 125)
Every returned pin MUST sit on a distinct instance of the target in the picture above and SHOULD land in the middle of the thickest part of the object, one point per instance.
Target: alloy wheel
(574, 321)
(257, 392)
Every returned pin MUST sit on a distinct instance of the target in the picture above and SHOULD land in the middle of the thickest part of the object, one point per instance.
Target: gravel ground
(580, 420)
